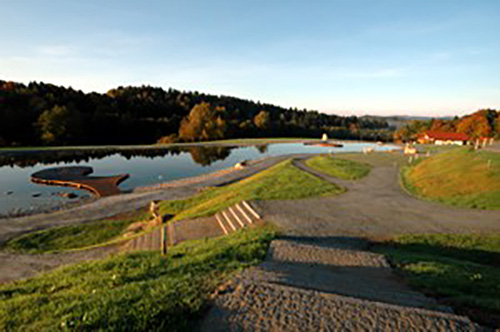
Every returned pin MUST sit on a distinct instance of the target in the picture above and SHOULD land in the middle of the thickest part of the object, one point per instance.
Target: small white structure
(324, 138)
(410, 150)
(369, 149)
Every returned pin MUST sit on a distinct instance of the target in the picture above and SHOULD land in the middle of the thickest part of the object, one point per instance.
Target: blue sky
(338, 56)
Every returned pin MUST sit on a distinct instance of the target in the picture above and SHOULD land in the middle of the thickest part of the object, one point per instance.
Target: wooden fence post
(164, 244)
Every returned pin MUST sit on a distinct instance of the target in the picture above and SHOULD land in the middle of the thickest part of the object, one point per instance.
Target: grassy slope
(72, 237)
(458, 177)
(282, 181)
(464, 270)
(340, 168)
(141, 291)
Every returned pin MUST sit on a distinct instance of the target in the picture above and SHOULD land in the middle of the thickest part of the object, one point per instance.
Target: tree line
(45, 114)
(481, 124)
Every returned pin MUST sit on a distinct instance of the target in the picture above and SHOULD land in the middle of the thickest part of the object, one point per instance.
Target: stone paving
(325, 286)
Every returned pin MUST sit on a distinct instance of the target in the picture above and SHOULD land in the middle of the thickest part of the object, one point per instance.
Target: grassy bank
(462, 270)
(142, 291)
(340, 168)
(75, 236)
(282, 181)
(459, 177)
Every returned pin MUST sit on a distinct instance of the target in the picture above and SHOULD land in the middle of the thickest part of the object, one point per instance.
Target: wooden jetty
(78, 177)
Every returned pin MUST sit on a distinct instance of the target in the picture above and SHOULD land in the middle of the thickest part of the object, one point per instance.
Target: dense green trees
(143, 115)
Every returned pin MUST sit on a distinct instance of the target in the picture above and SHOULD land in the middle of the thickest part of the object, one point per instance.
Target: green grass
(459, 177)
(71, 237)
(394, 159)
(340, 168)
(282, 181)
(134, 292)
(463, 270)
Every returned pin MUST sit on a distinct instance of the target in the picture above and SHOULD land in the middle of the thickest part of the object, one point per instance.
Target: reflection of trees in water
(204, 155)
(262, 148)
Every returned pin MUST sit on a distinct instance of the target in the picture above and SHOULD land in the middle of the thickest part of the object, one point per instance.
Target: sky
(381, 57)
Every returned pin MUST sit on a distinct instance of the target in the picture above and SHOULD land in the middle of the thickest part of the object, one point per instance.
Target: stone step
(227, 218)
(222, 224)
(241, 210)
(323, 254)
(251, 210)
(272, 307)
(355, 273)
(231, 211)
(374, 284)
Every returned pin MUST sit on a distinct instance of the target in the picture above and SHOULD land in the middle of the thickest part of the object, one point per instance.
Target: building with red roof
(442, 138)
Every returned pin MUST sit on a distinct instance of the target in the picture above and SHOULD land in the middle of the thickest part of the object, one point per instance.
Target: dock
(79, 177)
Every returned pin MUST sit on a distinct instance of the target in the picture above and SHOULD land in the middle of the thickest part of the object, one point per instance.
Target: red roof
(443, 136)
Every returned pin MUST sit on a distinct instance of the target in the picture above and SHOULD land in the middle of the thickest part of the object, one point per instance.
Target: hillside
(458, 177)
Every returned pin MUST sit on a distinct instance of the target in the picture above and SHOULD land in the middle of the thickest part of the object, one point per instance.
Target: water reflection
(201, 155)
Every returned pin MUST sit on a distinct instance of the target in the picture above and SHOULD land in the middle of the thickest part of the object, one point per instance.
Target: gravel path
(325, 285)
(373, 206)
(319, 276)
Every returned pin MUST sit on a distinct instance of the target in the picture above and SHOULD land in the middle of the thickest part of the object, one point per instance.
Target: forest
(39, 114)
(481, 124)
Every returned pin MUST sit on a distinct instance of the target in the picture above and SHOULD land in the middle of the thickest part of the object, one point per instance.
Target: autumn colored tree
(58, 125)
(497, 125)
(475, 126)
(411, 130)
(203, 123)
(262, 120)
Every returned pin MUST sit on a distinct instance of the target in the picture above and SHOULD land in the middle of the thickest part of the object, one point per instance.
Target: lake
(19, 195)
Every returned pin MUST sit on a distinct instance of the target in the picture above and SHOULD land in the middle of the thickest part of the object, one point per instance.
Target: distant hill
(398, 121)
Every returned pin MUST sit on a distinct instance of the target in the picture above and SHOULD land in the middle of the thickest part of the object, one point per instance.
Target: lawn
(74, 236)
(460, 177)
(133, 292)
(282, 181)
(462, 270)
(339, 168)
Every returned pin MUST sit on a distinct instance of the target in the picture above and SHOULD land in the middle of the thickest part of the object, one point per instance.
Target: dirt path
(21, 266)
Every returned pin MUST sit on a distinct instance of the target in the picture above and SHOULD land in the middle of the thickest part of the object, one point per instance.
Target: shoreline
(6, 151)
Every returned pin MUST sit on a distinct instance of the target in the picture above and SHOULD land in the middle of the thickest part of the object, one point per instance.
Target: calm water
(145, 168)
